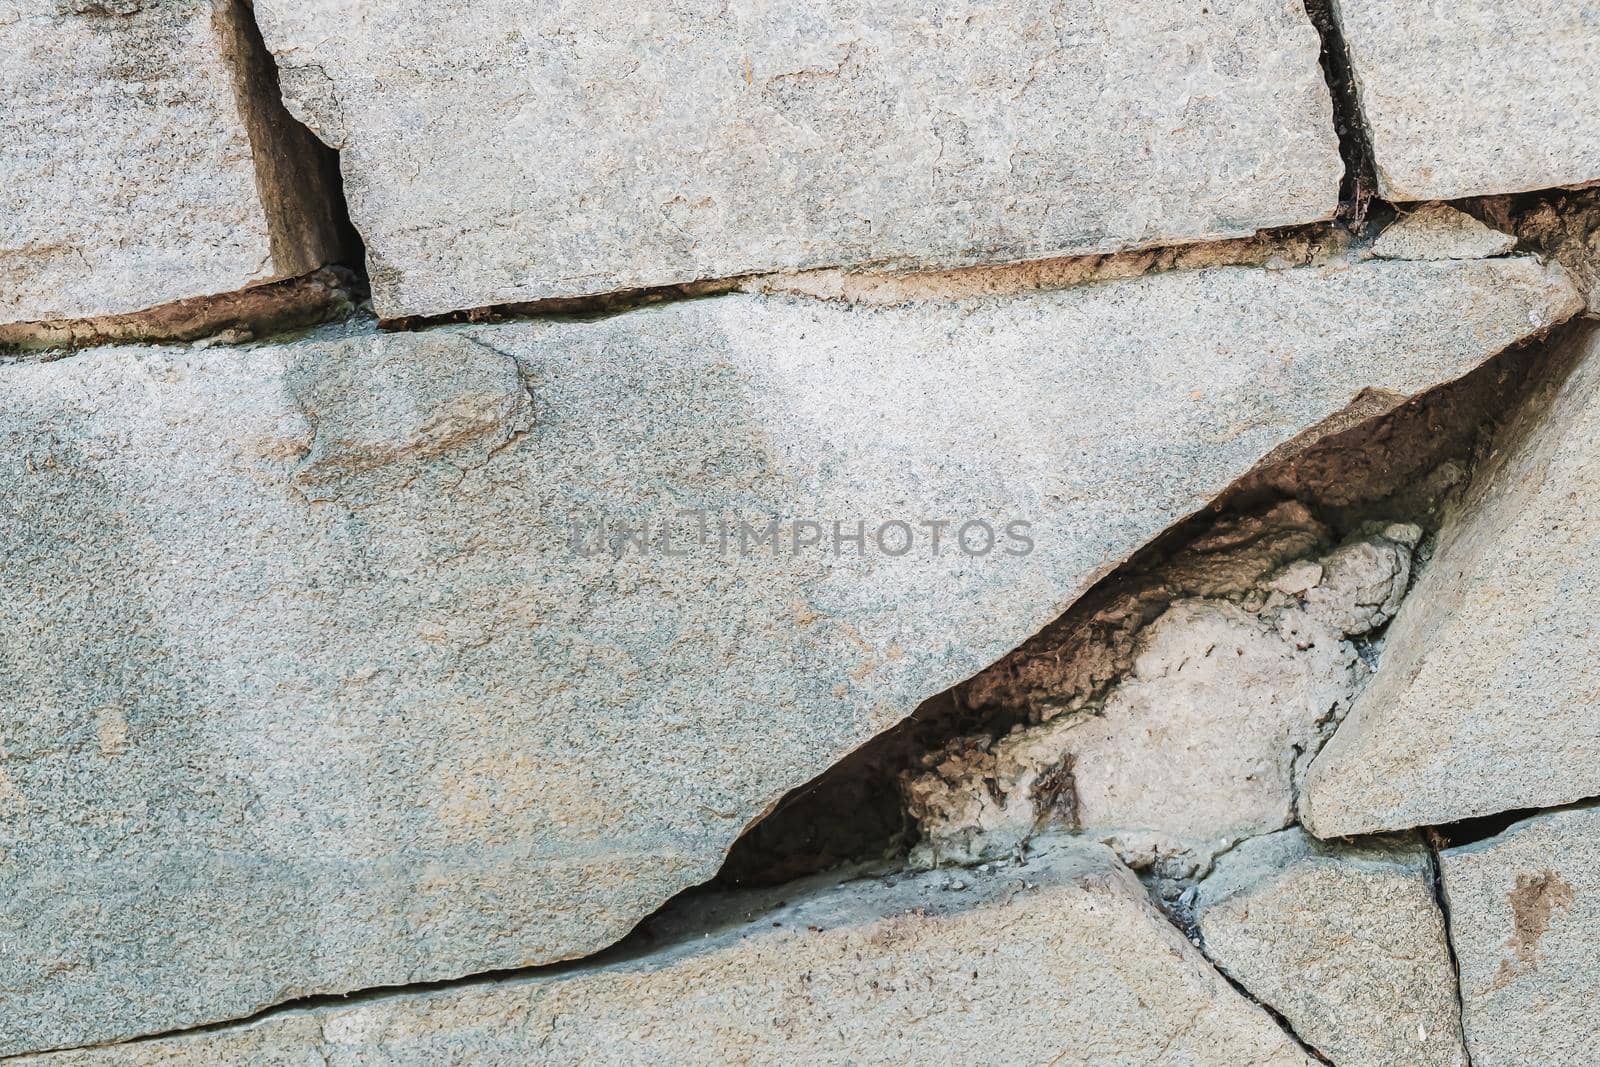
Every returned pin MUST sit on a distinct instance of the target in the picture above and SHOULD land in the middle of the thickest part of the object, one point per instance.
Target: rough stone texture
(1346, 943)
(147, 160)
(1064, 961)
(634, 148)
(309, 691)
(1476, 96)
(1525, 919)
(1439, 231)
(1199, 745)
(1485, 698)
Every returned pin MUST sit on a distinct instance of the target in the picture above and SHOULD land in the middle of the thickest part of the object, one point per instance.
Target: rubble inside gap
(1202, 742)
(1561, 225)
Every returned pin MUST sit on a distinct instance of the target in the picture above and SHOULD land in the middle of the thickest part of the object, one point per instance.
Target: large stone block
(1485, 698)
(315, 679)
(1525, 918)
(511, 152)
(1063, 961)
(1472, 97)
(1346, 943)
(147, 160)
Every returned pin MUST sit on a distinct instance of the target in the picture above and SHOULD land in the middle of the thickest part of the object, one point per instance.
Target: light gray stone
(614, 147)
(1474, 97)
(1439, 231)
(147, 160)
(1063, 961)
(1201, 743)
(1485, 697)
(308, 689)
(1346, 943)
(1525, 918)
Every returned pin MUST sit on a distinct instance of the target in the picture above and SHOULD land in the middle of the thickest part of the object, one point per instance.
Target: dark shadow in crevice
(298, 179)
(570, 308)
(352, 246)
(1483, 827)
(1358, 191)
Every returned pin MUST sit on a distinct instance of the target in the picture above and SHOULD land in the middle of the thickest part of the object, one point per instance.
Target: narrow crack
(570, 308)
(316, 1001)
(1359, 188)
(641, 942)
(224, 315)
(869, 284)
(1478, 828)
(1276, 1015)
(1436, 885)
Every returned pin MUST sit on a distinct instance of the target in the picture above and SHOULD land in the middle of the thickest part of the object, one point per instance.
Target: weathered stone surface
(1200, 744)
(1485, 698)
(1062, 961)
(1346, 943)
(1476, 97)
(308, 689)
(1439, 231)
(634, 148)
(1525, 918)
(147, 160)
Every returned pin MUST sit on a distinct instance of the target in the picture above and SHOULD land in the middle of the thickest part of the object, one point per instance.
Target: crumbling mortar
(1557, 225)
(1005, 765)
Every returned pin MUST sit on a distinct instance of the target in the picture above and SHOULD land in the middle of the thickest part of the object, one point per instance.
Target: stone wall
(1026, 532)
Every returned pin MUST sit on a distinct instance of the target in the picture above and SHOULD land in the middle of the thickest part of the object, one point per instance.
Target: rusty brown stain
(1533, 900)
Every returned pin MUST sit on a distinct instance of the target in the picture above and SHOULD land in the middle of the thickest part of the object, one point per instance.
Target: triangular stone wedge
(1487, 699)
